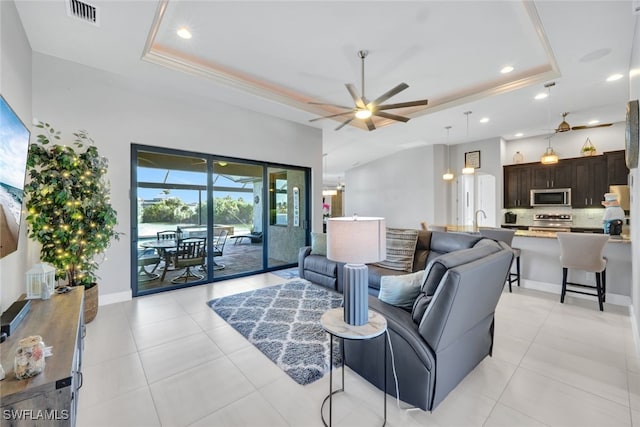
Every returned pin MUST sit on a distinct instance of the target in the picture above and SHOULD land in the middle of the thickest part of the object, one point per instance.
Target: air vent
(83, 11)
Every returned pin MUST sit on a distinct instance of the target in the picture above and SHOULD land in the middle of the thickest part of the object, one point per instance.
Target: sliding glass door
(171, 205)
(287, 222)
(197, 218)
(237, 203)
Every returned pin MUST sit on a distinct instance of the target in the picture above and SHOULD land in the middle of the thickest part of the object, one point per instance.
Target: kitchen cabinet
(590, 182)
(517, 183)
(559, 175)
(617, 171)
(51, 397)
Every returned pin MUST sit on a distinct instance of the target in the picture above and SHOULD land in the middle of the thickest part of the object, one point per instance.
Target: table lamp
(356, 241)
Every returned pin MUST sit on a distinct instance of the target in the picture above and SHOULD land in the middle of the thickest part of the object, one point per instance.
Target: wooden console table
(50, 398)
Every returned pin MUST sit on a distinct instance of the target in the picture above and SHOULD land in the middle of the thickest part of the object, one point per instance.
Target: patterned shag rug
(283, 322)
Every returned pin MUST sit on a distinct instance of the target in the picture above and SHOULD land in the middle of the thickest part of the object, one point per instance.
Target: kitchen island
(541, 269)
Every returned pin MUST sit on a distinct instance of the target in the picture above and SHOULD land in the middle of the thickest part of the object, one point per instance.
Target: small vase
(518, 157)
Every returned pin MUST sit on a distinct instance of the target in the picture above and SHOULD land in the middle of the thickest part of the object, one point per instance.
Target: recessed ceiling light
(594, 122)
(484, 120)
(506, 69)
(614, 77)
(541, 95)
(518, 135)
(184, 33)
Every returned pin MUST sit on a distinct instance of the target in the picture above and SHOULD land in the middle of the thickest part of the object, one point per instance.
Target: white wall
(401, 188)
(71, 96)
(634, 93)
(407, 188)
(15, 86)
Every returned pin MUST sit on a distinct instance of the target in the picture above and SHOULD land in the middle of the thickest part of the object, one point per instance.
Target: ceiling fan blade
(333, 115)
(370, 124)
(603, 125)
(402, 105)
(330, 105)
(391, 116)
(343, 124)
(354, 94)
(396, 90)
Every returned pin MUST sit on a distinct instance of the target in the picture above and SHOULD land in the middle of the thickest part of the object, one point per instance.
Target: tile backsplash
(587, 218)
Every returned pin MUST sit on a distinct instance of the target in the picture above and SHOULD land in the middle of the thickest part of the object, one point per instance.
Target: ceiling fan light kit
(364, 109)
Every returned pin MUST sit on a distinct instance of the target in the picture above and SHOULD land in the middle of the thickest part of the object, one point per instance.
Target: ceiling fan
(365, 109)
(565, 127)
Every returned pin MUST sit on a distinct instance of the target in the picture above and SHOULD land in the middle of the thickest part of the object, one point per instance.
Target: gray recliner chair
(448, 332)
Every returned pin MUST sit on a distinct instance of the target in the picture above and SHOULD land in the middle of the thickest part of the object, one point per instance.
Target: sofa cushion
(321, 265)
(437, 268)
(319, 244)
(401, 290)
(401, 247)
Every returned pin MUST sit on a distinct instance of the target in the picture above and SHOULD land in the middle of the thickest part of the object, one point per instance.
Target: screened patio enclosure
(248, 216)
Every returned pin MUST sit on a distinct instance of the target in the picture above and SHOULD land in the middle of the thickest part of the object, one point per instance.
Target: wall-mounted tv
(14, 146)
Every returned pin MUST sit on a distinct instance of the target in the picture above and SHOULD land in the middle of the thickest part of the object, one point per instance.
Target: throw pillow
(319, 244)
(401, 247)
(402, 290)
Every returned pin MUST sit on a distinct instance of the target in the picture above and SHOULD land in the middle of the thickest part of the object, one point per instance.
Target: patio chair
(146, 258)
(190, 253)
(168, 253)
(218, 247)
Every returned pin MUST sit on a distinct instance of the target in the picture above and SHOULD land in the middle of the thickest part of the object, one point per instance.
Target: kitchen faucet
(475, 216)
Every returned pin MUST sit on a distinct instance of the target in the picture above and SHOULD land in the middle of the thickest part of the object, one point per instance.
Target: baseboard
(634, 329)
(615, 299)
(114, 298)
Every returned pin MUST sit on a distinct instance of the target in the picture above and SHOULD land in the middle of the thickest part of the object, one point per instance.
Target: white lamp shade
(356, 240)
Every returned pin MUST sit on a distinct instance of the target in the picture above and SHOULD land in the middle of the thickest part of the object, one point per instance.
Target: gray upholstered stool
(583, 251)
(505, 235)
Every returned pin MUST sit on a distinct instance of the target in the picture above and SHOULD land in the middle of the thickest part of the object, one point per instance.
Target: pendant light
(467, 170)
(326, 192)
(549, 157)
(448, 175)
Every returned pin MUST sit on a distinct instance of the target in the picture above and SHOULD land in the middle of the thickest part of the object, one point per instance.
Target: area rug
(283, 322)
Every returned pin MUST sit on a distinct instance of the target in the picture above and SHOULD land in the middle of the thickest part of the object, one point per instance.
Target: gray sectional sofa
(449, 328)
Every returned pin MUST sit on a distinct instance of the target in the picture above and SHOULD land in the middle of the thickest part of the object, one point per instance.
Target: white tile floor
(170, 360)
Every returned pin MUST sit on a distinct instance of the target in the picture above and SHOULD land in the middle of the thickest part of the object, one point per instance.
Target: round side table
(333, 323)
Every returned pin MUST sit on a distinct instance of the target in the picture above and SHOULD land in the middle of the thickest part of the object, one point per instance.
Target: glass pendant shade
(468, 171)
(448, 175)
(549, 157)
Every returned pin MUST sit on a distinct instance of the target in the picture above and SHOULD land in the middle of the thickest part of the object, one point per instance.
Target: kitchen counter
(526, 233)
(552, 235)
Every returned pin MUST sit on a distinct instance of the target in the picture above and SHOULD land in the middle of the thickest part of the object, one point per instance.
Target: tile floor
(169, 360)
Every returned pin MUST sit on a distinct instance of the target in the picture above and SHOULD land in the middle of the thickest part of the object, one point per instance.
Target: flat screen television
(14, 146)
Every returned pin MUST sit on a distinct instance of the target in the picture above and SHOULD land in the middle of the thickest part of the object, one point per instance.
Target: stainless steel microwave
(551, 197)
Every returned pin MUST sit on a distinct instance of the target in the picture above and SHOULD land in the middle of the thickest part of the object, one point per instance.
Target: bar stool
(505, 235)
(583, 251)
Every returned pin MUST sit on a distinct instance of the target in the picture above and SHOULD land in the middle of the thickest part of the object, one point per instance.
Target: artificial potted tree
(69, 209)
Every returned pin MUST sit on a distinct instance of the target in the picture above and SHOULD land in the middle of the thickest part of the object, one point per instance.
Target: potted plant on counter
(69, 210)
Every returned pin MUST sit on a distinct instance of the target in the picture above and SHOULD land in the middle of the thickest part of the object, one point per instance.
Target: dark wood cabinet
(590, 182)
(617, 171)
(517, 183)
(588, 177)
(559, 175)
